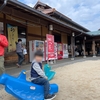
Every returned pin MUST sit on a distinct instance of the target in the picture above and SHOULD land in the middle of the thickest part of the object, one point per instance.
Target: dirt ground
(79, 81)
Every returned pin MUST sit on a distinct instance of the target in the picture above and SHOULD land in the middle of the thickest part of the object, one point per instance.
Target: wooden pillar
(84, 49)
(5, 29)
(41, 33)
(93, 47)
(73, 47)
(27, 42)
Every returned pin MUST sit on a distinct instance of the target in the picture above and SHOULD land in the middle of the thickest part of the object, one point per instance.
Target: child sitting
(38, 76)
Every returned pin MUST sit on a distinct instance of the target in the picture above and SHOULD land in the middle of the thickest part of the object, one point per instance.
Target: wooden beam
(36, 19)
(15, 23)
(33, 18)
(73, 47)
(35, 35)
(62, 29)
(25, 16)
(97, 37)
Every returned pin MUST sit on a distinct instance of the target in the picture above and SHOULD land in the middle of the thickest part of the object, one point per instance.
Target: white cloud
(84, 12)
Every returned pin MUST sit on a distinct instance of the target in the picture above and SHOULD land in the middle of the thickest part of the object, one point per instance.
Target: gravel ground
(78, 81)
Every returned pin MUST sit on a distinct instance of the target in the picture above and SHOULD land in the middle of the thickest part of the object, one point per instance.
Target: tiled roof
(94, 33)
(59, 15)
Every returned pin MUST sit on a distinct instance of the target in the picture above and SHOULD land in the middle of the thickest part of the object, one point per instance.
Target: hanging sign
(12, 37)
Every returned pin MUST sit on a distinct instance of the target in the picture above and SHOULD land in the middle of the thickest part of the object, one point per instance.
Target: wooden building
(34, 23)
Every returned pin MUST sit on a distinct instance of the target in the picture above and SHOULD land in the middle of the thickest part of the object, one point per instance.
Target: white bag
(24, 51)
(77, 53)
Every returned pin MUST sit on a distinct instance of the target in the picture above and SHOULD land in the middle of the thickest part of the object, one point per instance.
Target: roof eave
(69, 20)
(35, 12)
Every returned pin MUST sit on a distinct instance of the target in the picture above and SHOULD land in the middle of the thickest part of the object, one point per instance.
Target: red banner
(50, 47)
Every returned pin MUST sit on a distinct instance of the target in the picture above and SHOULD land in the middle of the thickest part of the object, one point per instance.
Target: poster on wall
(34, 46)
(60, 50)
(65, 51)
(50, 47)
(12, 37)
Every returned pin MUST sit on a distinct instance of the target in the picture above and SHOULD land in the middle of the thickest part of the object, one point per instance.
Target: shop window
(14, 33)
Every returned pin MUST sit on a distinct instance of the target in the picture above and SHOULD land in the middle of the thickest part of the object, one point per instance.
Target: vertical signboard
(12, 38)
(50, 47)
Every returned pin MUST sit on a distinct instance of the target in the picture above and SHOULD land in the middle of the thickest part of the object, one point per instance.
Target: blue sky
(84, 12)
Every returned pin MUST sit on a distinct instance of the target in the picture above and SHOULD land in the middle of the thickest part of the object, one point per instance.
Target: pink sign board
(50, 47)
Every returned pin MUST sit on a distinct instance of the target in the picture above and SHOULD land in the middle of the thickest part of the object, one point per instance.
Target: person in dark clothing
(88, 50)
(19, 51)
(97, 50)
(38, 76)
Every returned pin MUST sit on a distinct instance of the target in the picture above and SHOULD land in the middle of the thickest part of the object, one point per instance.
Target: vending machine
(65, 51)
(60, 50)
(34, 46)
